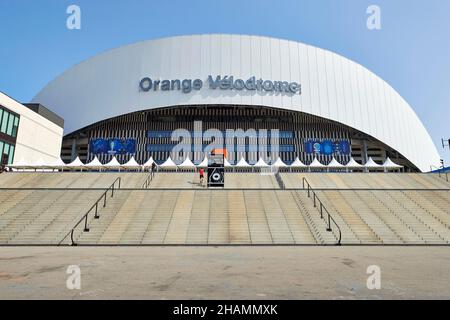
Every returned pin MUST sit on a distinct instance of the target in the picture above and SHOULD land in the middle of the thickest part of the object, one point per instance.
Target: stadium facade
(129, 100)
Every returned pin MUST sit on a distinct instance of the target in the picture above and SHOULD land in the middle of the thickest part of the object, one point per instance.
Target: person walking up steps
(202, 174)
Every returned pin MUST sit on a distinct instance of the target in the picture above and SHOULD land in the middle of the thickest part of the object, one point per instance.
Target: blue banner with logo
(327, 147)
(113, 146)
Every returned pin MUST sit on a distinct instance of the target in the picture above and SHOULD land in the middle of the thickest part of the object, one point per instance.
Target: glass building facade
(9, 125)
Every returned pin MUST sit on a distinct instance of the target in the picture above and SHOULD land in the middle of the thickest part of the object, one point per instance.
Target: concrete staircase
(350, 212)
(42, 216)
(365, 180)
(251, 209)
(70, 179)
(233, 180)
(211, 217)
(43, 207)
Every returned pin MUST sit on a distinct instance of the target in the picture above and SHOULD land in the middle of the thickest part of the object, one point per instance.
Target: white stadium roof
(335, 88)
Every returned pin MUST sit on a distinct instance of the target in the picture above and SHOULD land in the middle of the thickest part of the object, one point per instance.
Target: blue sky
(411, 51)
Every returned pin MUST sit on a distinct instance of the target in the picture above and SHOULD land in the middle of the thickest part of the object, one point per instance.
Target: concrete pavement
(267, 272)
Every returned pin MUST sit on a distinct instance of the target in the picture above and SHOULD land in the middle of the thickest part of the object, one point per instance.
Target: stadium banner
(112, 146)
(327, 147)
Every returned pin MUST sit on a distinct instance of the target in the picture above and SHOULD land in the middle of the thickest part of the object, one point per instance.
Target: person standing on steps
(202, 175)
(153, 169)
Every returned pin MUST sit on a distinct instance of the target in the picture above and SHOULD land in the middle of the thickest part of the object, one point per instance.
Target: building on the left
(28, 132)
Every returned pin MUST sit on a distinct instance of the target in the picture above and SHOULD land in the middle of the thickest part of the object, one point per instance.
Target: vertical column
(73, 153)
(198, 143)
(364, 151)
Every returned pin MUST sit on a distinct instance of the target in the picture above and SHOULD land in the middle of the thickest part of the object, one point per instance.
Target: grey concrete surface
(225, 272)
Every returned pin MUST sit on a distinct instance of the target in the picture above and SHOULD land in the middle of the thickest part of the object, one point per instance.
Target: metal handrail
(439, 170)
(322, 209)
(96, 216)
(149, 179)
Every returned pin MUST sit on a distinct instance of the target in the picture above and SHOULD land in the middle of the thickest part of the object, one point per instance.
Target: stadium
(317, 151)
(323, 105)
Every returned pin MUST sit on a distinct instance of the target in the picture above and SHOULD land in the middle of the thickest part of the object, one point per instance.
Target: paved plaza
(230, 272)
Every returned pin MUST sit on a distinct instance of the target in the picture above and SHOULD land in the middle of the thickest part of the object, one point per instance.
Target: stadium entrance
(148, 134)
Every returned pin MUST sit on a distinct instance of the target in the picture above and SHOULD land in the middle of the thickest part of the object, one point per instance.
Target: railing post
(321, 210)
(314, 197)
(329, 222)
(96, 211)
(86, 229)
(112, 190)
(71, 238)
